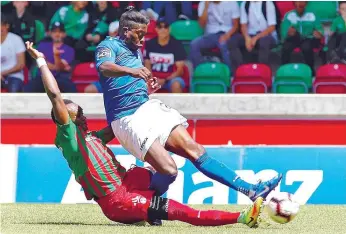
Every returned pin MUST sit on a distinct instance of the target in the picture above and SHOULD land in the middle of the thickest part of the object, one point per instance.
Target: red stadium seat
(330, 78)
(284, 7)
(84, 74)
(186, 78)
(252, 78)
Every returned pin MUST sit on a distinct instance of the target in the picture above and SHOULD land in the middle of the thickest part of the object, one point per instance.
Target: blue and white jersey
(122, 96)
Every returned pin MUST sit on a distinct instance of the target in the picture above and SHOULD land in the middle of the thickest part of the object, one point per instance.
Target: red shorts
(129, 202)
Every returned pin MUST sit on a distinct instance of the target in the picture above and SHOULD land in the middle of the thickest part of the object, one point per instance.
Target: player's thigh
(137, 178)
(158, 157)
(181, 143)
(129, 207)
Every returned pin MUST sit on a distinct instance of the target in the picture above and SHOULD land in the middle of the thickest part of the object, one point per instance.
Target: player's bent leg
(158, 157)
(181, 143)
(167, 209)
(125, 207)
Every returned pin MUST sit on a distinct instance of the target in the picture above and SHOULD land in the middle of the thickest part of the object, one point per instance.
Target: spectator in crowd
(12, 58)
(95, 87)
(301, 28)
(23, 24)
(168, 10)
(258, 26)
(101, 15)
(75, 19)
(162, 54)
(337, 42)
(59, 57)
(113, 29)
(220, 21)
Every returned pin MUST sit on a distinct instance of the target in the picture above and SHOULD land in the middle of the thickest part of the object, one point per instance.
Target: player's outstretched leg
(181, 143)
(184, 213)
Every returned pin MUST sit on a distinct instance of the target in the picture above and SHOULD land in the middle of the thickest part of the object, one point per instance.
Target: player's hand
(142, 72)
(35, 54)
(153, 85)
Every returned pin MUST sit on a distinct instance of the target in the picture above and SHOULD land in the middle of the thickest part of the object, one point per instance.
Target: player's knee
(170, 169)
(193, 149)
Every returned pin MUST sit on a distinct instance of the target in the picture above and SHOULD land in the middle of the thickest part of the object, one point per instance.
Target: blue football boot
(262, 189)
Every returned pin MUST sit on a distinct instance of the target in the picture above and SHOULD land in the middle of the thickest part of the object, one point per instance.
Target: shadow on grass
(80, 224)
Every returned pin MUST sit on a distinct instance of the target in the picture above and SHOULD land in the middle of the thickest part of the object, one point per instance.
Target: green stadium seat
(186, 31)
(325, 10)
(40, 31)
(293, 78)
(211, 78)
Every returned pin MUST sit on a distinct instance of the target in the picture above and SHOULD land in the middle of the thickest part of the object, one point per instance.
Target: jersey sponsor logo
(90, 138)
(103, 52)
(143, 143)
(139, 200)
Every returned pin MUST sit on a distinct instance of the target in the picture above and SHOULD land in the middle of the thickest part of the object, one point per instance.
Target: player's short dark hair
(131, 18)
(66, 101)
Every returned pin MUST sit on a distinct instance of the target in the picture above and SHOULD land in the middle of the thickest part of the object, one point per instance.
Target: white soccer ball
(282, 208)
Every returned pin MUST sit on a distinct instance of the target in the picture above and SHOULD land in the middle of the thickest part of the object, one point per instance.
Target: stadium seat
(211, 78)
(325, 10)
(293, 78)
(252, 78)
(186, 31)
(186, 78)
(284, 7)
(84, 74)
(330, 78)
(40, 31)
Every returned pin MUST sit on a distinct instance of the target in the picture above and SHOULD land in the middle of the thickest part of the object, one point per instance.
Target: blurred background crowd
(200, 47)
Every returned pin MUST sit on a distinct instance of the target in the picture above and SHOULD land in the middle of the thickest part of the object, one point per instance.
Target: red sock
(178, 211)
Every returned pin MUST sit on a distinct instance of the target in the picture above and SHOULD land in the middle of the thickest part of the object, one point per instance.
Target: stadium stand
(330, 78)
(211, 78)
(293, 78)
(252, 78)
(84, 74)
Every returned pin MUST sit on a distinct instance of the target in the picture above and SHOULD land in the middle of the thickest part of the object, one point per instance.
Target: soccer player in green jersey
(123, 196)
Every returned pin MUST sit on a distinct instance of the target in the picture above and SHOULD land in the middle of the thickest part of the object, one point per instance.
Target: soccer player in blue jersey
(148, 129)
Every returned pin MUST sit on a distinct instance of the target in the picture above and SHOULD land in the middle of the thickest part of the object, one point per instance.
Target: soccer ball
(282, 208)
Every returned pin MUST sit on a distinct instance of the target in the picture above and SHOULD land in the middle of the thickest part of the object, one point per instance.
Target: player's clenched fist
(142, 72)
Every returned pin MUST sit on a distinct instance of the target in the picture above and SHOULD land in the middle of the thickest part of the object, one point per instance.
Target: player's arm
(105, 57)
(105, 134)
(50, 85)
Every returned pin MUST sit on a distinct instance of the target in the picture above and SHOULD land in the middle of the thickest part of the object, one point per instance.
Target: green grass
(86, 218)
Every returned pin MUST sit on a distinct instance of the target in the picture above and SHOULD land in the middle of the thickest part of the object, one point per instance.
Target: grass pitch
(87, 218)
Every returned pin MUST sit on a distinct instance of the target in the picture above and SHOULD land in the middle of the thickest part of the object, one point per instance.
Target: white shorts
(153, 120)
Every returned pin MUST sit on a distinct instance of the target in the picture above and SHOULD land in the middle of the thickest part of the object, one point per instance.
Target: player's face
(342, 9)
(77, 115)
(135, 36)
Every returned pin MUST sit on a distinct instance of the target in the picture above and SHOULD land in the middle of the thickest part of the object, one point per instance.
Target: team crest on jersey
(139, 199)
(103, 52)
(90, 138)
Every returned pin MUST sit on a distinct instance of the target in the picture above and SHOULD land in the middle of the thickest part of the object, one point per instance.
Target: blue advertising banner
(315, 175)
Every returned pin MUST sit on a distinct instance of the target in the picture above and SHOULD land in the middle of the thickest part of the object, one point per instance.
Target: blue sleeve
(105, 52)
